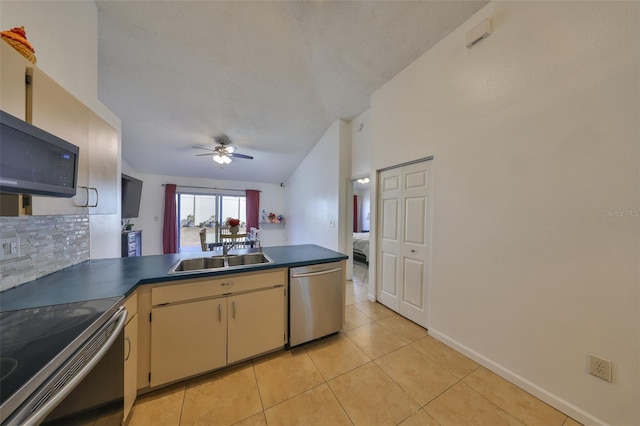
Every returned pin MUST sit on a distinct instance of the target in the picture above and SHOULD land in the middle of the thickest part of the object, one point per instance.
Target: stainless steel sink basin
(247, 259)
(201, 264)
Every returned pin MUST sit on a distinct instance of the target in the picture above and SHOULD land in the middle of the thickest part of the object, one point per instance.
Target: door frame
(348, 240)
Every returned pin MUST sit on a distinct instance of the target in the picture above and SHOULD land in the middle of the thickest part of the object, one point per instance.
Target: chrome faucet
(228, 246)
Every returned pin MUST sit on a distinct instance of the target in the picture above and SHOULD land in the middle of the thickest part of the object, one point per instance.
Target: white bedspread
(361, 243)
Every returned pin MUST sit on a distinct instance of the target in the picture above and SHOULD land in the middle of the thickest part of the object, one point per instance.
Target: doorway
(203, 211)
(360, 226)
(405, 211)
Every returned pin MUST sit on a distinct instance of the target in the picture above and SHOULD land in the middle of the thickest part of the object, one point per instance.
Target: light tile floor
(381, 370)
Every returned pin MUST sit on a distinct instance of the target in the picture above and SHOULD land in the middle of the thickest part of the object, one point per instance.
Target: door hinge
(285, 292)
(27, 79)
(149, 316)
(149, 377)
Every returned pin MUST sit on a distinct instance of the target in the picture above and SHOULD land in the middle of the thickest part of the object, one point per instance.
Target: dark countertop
(101, 278)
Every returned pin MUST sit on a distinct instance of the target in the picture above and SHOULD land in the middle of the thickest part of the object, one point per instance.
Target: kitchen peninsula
(179, 325)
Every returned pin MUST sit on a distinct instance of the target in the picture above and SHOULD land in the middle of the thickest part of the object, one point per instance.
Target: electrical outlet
(10, 248)
(600, 367)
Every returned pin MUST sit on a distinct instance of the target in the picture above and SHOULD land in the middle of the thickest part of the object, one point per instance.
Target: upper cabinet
(103, 166)
(13, 67)
(47, 105)
(53, 109)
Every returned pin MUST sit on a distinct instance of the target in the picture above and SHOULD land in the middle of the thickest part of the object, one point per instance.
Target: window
(196, 211)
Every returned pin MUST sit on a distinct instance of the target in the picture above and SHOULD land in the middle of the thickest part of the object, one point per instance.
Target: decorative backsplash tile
(45, 244)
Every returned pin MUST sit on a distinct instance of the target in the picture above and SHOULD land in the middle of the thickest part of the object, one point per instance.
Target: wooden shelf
(266, 225)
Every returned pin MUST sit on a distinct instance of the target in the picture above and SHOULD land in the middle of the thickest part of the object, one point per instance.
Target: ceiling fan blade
(206, 149)
(234, 155)
(207, 155)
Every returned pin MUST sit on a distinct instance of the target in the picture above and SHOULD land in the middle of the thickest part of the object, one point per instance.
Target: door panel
(415, 179)
(413, 274)
(389, 273)
(415, 209)
(389, 229)
(390, 220)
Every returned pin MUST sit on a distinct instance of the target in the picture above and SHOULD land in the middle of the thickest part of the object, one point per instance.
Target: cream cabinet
(53, 109)
(48, 106)
(130, 354)
(256, 323)
(103, 166)
(13, 68)
(199, 325)
(188, 339)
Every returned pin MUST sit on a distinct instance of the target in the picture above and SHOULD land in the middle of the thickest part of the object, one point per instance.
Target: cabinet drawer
(208, 287)
(131, 238)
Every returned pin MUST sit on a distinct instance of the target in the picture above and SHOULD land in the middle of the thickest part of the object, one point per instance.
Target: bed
(361, 246)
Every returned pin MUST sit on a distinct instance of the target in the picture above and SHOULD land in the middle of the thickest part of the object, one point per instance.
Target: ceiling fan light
(219, 159)
(226, 160)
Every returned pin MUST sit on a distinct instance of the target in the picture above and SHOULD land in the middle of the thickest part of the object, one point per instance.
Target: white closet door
(404, 235)
(389, 237)
(415, 248)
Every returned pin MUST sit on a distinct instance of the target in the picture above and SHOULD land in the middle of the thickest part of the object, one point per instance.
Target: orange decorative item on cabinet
(17, 38)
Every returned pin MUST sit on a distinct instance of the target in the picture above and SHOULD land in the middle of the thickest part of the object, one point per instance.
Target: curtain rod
(206, 187)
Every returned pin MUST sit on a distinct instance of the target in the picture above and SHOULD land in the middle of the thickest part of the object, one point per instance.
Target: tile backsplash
(46, 244)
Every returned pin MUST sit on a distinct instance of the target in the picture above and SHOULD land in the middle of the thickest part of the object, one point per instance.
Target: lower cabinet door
(130, 364)
(187, 339)
(256, 323)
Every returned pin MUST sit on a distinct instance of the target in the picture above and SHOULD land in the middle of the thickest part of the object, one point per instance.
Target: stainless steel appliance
(316, 302)
(33, 161)
(49, 354)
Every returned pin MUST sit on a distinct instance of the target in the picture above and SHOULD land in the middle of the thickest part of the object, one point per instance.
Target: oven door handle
(39, 415)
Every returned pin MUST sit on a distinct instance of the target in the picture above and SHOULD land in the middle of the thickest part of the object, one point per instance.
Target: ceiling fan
(222, 153)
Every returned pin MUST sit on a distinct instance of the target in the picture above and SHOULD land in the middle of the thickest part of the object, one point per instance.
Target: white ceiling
(271, 75)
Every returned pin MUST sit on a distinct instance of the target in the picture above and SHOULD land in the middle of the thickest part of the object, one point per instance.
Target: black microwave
(33, 161)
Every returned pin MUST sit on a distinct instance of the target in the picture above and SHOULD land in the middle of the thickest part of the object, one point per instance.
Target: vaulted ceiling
(272, 76)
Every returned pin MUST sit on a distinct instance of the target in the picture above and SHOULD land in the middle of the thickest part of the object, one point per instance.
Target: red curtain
(253, 208)
(355, 213)
(170, 223)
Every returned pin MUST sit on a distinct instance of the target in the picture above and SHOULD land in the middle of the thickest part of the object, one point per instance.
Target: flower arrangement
(272, 217)
(232, 222)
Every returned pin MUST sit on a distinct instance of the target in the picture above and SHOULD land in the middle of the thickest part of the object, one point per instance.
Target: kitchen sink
(247, 259)
(201, 264)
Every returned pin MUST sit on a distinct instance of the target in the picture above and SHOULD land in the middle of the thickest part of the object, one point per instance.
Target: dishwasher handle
(312, 274)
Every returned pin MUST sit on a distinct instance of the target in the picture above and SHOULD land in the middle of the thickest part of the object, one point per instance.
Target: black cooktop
(32, 341)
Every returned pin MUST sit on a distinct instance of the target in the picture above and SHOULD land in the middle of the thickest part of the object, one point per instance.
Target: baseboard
(535, 390)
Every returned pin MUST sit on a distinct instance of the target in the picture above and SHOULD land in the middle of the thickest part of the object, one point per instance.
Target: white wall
(316, 191)
(361, 145)
(152, 205)
(536, 142)
(65, 37)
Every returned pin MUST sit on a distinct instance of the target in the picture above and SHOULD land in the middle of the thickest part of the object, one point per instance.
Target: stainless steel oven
(61, 360)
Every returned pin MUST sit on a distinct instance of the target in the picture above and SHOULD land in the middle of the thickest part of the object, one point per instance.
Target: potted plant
(233, 224)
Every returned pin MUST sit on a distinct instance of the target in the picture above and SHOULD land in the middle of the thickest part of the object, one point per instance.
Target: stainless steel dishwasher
(316, 301)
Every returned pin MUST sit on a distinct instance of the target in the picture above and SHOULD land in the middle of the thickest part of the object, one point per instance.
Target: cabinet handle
(234, 309)
(86, 190)
(96, 191)
(226, 284)
(129, 346)
(219, 311)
